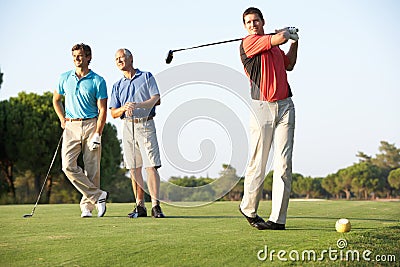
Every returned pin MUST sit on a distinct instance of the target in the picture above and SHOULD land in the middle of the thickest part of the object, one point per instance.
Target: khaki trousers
(272, 123)
(76, 140)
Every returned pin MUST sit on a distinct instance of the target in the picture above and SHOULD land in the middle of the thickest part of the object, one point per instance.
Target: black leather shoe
(139, 211)
(274, 226)
(256, 222)
(156, 212)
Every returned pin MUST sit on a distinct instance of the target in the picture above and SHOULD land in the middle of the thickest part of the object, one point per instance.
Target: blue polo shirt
(81, 95)
(138, 89)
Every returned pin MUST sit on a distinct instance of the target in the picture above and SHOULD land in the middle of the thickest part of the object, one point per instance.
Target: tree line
(30, 131)
(370, 178)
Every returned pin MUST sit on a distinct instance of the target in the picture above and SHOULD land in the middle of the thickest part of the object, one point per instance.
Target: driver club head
(169, 57)
(27, 215)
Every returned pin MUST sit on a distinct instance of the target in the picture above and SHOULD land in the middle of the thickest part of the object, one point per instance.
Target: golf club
(41, 190)
(134, 164)
(170, 54)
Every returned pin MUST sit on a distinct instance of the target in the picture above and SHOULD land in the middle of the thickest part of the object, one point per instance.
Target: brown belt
(78, 119)
(144, 119)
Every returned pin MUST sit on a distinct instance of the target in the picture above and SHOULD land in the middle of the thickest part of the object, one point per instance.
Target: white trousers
(272, 123)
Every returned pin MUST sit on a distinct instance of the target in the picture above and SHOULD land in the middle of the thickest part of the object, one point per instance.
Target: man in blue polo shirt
(133, 99)
(83, 121)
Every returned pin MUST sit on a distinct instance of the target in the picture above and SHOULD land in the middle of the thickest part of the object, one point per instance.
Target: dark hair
(252, 10)
(86, 49)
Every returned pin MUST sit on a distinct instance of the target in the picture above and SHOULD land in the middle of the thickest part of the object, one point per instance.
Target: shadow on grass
(326, 228)
(181, 217)
(330, 229)
(350, 218)
(203, 217)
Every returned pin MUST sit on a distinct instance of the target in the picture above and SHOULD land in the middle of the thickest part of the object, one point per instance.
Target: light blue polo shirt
(138, 89)
(81, 95)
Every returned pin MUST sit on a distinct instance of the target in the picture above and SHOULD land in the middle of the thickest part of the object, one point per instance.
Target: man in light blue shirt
(81, 94)
(133, 99)
(83, 121)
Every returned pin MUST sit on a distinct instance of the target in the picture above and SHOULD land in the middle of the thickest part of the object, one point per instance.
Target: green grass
(212, 235)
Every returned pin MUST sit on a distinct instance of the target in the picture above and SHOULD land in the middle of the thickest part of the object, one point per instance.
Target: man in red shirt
(273, 118)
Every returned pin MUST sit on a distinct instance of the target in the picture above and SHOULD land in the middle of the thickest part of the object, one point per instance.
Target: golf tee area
(211, 235)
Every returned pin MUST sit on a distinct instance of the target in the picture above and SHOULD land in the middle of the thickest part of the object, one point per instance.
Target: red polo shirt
(265, 65)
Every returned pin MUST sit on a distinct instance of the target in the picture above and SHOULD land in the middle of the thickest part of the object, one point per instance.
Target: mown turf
(212, 235)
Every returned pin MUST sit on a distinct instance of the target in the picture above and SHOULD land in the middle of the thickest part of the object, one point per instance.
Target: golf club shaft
(47, 175)
(170, 54)
(216, 43)
(222, 42)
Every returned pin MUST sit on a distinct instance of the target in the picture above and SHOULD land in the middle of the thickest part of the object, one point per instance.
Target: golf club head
(27, 215)
(169, 57)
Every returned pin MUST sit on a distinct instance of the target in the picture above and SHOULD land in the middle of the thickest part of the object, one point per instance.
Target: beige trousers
(76, 140)
(273, 123)
(147, 150)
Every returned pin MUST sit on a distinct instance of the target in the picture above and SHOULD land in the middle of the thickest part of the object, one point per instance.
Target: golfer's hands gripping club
(292, 33)
(95, 142)
(294, 37)
(292, 30)
(129, 107)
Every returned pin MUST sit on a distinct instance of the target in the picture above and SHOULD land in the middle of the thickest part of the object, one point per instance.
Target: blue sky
(345, 83)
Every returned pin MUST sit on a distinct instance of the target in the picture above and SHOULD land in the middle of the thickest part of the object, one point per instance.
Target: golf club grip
(221, 42)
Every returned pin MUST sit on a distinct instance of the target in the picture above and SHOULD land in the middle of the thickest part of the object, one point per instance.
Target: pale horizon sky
(345, 83)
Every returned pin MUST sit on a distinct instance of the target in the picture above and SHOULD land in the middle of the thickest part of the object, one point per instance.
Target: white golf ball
(343, 225)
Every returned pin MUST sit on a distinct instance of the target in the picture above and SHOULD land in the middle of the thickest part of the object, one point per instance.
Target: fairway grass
(211, 235)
